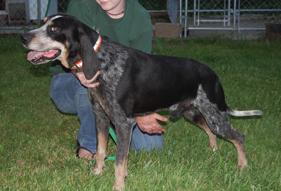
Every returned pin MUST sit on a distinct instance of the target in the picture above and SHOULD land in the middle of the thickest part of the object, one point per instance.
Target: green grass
(37, 143)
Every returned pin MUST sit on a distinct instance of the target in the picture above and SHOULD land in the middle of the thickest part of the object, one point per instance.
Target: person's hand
(92, 83)
(150, 123)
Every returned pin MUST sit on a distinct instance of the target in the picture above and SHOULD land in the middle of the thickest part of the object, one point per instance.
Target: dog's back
(152, 82)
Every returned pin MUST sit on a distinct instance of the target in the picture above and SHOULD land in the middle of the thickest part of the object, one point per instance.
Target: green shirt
(134, 29)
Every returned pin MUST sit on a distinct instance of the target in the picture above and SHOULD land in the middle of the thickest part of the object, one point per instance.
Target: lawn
(37, 143)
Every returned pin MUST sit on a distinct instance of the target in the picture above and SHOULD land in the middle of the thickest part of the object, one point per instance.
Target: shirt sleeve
(142, 31)
(72, 9)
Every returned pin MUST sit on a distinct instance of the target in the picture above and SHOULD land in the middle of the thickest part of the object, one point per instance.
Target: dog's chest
(112, 63)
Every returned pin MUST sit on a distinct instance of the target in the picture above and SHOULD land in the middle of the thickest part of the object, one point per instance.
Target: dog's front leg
(102, 123)
(123, 131)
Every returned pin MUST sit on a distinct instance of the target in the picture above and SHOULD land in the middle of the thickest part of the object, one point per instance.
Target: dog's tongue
(38, 54)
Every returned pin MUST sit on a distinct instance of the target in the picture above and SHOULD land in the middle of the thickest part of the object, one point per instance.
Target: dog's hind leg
(242, 160)
(102, 124)
(193, 115)
(219, 125)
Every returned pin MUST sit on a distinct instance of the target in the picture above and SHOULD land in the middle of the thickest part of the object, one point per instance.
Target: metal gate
(231, 15)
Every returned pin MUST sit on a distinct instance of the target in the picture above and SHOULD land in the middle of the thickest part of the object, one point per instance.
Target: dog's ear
(88, 55)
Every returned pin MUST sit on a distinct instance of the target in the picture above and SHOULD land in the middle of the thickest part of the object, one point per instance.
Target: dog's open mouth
(41, 57)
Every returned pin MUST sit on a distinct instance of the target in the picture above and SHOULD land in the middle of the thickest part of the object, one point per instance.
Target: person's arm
(82, 10)
(72, 8)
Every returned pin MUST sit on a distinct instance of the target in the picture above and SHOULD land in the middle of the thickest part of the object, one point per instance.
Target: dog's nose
(26, 38)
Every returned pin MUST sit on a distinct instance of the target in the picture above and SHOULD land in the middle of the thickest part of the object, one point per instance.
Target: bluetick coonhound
(134, 83)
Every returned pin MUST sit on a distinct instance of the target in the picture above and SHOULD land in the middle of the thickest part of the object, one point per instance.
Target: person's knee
(56, 85)
(55, 88)
(62, 92)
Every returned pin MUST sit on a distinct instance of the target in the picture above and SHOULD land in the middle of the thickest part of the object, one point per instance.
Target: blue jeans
(71, 97)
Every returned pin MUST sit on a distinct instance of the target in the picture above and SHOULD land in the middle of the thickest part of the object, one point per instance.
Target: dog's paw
(97, 171)
(242, 164)
(118, 187)
(214, 148)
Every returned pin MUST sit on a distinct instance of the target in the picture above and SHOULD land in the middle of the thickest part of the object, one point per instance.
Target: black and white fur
(134, 83)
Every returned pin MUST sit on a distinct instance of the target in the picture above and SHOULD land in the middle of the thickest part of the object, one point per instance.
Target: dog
(135, 83)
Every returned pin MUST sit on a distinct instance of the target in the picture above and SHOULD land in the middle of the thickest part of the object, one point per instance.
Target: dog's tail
(246, 113)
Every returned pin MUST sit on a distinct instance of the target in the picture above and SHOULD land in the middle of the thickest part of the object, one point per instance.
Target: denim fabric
(71, 97)
(146, 142)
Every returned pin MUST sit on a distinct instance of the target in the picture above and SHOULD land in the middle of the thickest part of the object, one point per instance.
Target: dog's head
(63, 38)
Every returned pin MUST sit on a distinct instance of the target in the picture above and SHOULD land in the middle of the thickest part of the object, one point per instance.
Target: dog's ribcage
(112, 63)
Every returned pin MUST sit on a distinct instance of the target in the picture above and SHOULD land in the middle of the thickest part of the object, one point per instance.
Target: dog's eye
(54, 29)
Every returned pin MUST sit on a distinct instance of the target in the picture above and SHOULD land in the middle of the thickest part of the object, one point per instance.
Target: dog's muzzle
(38, 57)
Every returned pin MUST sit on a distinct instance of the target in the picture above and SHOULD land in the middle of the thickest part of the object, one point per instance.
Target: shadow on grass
(39, 71)
(46, 69)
